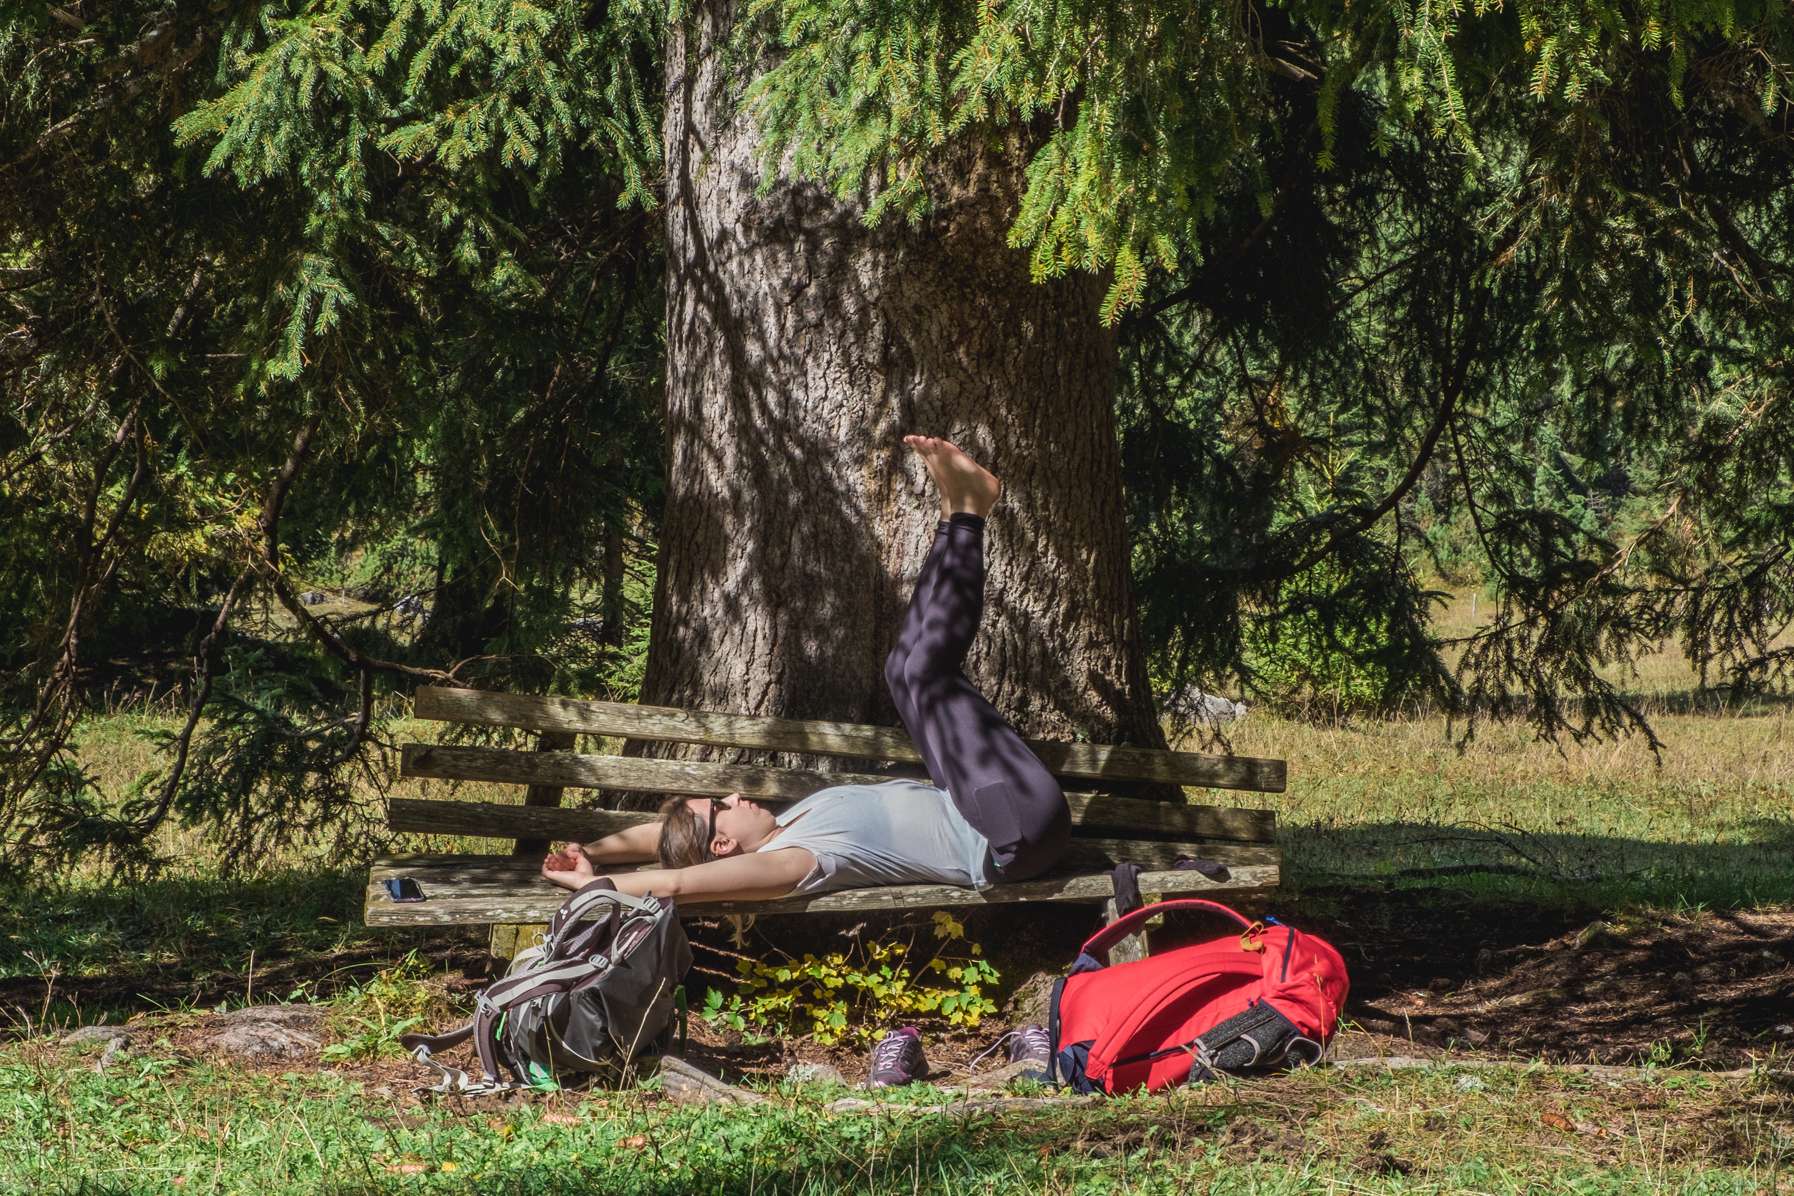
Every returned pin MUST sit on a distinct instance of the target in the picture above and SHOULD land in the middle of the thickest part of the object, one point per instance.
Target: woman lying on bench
(996, 813)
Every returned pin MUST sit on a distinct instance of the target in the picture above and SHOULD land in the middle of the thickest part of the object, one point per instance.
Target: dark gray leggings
(1000, 786)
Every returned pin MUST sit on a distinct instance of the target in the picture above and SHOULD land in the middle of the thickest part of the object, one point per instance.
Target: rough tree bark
(800, 347)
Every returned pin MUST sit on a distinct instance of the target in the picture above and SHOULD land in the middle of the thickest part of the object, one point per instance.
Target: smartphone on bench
(403, 888)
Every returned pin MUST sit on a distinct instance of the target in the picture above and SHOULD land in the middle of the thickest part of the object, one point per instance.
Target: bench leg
(511, 938)
(1130, 948)
(544, 795)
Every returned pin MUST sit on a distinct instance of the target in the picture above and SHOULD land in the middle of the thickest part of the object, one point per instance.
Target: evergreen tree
(375, 288)
(283, 309)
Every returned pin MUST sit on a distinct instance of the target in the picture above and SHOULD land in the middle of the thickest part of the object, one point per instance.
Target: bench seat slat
(1127, 816)
(470, 818)
(667, 724)
(467, 890)
(1092, 817)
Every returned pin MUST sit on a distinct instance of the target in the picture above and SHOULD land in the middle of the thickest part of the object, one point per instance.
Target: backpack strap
(493, 1004)
(437, 1042)
(1120, 928)
(423, 1048)
(573, 932)
(578, 903)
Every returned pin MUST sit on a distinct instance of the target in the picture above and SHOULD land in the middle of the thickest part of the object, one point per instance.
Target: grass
(151, 1122)
(1606, 825)
(1388, 804)
(1599, 825)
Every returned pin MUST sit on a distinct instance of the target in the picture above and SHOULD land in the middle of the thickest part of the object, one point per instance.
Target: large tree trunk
(800, 347)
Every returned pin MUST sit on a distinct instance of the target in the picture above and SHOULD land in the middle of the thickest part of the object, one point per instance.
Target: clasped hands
(569, 867)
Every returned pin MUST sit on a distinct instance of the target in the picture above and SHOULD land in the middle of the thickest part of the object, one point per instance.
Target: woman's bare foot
(967, 488)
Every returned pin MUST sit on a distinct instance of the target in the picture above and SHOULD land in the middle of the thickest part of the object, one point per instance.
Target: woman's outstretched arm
(632, 845)
(757, 876)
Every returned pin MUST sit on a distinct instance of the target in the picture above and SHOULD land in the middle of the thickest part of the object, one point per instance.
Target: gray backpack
(596, 997)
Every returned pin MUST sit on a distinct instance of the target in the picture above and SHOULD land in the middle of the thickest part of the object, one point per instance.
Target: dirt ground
(1709, 990)
(1431, 975)
(1438, 975)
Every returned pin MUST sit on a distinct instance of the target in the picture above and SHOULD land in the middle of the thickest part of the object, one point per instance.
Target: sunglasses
(710, 830)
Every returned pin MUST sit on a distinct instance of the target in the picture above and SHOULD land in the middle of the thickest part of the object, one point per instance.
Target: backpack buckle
(1202, 1064)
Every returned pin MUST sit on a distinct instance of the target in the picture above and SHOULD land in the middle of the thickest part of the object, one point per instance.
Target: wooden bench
(508, 889)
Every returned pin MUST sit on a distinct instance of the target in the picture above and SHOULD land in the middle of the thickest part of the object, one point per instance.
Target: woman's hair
(681, 834)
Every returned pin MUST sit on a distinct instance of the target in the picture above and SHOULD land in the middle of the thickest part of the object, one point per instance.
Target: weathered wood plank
(668, 724)
(1131, 947)
(1129, 817)
(1118, 815)
(574, 770)
(428, 816)
(471, 818)
(468, 890)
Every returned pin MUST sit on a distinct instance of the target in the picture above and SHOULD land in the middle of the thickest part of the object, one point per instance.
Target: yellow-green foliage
(862, 990)
(1146, 109)
(377, 81)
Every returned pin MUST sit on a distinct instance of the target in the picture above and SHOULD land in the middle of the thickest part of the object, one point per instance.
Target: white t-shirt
(899, 832)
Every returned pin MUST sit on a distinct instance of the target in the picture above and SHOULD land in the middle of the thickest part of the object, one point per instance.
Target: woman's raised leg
(917, 618)
(996, 781)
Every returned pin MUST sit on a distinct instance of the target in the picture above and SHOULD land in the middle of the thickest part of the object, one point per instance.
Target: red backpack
(1265, 997)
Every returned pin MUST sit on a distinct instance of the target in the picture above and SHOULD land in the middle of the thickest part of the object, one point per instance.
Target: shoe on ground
(1031, 1045)
(898, 1059)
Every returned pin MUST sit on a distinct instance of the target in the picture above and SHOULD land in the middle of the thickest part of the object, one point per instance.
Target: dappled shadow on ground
(1570, 870)
(80, 955)
(1706, 990)
(1432, 968)
(1718, 701)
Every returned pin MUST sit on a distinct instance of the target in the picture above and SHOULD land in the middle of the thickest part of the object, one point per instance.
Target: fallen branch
(1610, 1071)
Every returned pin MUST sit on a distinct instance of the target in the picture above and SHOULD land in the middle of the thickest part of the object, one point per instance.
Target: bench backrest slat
(1089, 811)
(433, 816)
(666, 724)
(577, 770)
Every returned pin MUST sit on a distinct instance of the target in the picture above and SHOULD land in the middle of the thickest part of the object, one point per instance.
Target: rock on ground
(691, 1085)
(264, 1032)
(1195, 705)
(815, 1073)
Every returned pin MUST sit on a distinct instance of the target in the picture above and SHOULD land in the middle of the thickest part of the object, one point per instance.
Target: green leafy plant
(368, 1018)
(854, 993)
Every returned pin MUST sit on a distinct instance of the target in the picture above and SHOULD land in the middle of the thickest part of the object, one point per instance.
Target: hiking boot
(897, 1059)
(1027, 1044)
(1032, 1044)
